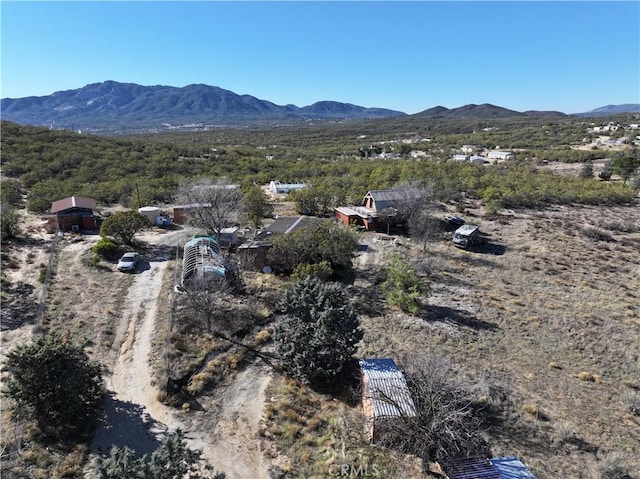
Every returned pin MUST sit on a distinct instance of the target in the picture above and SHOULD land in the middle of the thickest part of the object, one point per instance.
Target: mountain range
(112, 106)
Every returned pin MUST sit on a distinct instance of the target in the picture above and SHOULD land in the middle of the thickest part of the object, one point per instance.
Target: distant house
(385, 395)
(278, 187)
(75, 214)
(460, 157)
(469, 149)
(501, 155)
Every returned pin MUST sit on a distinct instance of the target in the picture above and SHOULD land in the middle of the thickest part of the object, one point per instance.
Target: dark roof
(285, 224)
(470, 468)
(390, 198)
(73, 202)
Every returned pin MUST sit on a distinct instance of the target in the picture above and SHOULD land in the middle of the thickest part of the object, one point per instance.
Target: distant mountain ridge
(129, 105)
(484, 111)
(612, 110)
(123, 107)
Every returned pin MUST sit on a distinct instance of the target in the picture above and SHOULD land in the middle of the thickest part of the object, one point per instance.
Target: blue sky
(408, 56)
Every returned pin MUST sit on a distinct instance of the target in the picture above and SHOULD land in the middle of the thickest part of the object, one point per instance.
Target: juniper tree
(54, 383)
(317, 331)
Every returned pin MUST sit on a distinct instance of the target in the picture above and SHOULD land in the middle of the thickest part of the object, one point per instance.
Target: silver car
(129, 261)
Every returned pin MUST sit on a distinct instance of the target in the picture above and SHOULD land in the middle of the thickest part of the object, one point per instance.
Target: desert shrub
(613, 466)
(9, 223)
(595, 234)
(403, 287)
(55, 384)
(317, 332)
(631, 400)
(172, 459)
(106, 248)
(628, 227)
(445, 423)
(322, 271)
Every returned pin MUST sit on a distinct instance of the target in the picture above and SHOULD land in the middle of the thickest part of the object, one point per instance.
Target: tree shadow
(124, 424)
(158, 253)
(487, 247)
(457, 317)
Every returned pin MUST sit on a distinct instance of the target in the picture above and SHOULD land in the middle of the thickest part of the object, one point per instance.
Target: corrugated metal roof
(386, 388)
(470, 468)
(511, 468)
(390, 198)
(73, 202)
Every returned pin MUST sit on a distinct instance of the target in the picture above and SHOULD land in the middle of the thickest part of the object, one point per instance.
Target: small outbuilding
(385, 395)
(75, 214)
(202, 259)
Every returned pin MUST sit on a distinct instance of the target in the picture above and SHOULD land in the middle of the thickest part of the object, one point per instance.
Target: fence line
(171, 309)
(37, 329)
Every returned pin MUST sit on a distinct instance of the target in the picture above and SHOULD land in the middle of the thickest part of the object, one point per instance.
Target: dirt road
(135, 418)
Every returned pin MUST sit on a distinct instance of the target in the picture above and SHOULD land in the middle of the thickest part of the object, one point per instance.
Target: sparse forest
(506, 348)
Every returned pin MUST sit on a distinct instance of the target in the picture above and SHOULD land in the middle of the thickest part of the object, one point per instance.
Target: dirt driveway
(133, 416)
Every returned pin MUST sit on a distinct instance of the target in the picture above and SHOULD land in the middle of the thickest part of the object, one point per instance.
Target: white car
(129, 261)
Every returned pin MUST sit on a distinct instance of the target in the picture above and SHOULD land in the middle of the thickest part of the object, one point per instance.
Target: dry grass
(552, 321)
(319, 435)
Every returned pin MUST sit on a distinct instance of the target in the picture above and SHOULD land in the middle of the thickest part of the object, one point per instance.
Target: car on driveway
(129, 261)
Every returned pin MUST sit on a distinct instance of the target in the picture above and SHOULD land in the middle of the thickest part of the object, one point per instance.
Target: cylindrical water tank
(150, 212)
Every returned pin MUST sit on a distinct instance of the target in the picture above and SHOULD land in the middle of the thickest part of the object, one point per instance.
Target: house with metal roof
(374, 204)
(75, 214)
(385, 395)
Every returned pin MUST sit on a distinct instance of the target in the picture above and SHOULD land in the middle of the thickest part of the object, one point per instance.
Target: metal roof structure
(470, 468)
(385, 389)
(73, 202)
(383, 199)
(511, 468)
(202, 256)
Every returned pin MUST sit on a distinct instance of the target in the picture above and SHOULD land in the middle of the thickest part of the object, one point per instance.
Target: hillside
(111, 106)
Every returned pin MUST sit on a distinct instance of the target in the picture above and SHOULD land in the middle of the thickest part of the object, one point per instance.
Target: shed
(75, 213)
(385, 395)
(229, 236)
(181, 212)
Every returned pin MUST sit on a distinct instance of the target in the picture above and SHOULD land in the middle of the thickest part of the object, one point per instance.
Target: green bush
(320, 270)
(403, 287)
(106, 248)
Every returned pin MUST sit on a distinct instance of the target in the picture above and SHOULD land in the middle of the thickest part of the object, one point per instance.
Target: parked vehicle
(454, 220)
(129, 261)
(466, 236)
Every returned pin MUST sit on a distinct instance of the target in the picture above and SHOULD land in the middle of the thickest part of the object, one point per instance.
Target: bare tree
(444, 425)
(425, 227)
(214, 205)
(209, 303)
